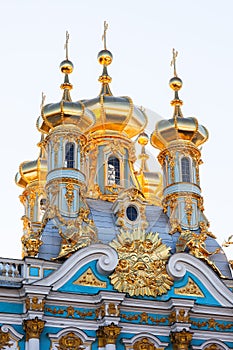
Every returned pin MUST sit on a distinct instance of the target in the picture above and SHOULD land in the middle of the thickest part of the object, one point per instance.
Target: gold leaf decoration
(141, 268)
(89, 279)
(69, 342)
(190, 289)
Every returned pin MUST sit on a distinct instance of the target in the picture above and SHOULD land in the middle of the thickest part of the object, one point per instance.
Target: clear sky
(141, 36)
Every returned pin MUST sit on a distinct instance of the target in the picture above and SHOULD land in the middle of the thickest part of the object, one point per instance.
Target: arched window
(113, 171)
(69, 155)
(185, 169)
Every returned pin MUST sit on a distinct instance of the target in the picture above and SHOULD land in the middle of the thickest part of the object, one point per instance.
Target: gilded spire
(176, 84)
(66, 67)
(143, 141)
(105, 59)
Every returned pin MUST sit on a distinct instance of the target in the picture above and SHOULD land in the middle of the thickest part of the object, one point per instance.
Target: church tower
(65, 124)
(178, 140)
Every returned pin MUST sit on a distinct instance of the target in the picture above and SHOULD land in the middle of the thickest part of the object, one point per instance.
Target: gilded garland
(141, 268)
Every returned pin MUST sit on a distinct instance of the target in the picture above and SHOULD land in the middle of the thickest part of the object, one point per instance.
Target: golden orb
(143, 139)
(66, 67)
(175, 83)
(105, 57)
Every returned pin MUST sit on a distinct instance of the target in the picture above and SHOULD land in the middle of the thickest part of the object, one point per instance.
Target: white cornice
(107, 261)
(181, 263)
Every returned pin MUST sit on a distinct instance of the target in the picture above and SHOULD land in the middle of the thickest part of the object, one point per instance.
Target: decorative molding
(89, 279)
(106, 262)
(111, 333)
(181, 263)
(190, 289)
(34, 304)
(208, 345)
(181, 340)
(138, 337)
(74, 334)
(69, 342)
(33, 328)
(141, 269)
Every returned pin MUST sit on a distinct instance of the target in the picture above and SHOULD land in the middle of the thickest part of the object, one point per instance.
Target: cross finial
(104, 35)
(66, 43)
(42, 100)
(173, 61)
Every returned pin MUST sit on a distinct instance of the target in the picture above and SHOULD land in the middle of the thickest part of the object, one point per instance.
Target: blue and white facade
(114, 257)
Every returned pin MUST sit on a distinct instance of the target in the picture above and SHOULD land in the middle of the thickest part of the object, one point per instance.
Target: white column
(33, 329)
(110, 347)
(33, 344)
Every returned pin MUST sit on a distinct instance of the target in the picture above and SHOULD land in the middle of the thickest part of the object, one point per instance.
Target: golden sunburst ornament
(141, 268)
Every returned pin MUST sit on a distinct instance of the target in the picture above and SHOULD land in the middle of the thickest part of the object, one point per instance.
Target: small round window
(132, 213)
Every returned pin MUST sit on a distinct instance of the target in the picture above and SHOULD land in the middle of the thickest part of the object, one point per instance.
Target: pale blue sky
(141, 37)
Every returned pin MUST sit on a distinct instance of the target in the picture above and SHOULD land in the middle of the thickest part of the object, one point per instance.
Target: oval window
(132, 213)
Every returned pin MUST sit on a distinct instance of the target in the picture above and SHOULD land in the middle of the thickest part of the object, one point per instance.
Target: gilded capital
(33, 328)
(101, 337)
(111, 333)
(181, 340)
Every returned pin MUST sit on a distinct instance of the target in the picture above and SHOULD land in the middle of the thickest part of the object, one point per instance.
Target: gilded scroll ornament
(141, 268)
(5, 340)
(69, 342)
(212, 324)
(144, 344)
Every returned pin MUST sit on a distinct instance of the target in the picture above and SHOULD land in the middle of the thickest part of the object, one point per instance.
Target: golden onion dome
(65, 112)
(114, 114)
(178, 128)
(32, 171)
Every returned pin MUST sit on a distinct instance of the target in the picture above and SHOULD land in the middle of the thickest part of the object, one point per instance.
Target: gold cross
(173, 61)
(42, 101)
(66, 44)
(104, 35)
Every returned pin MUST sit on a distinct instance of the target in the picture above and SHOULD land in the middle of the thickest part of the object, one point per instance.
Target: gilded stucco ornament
(69, 342)
(144, 344)
(30, 240)
(75, 233)
(34, 304)
(5, 340)
(195, 243)
(33, 328)
(141, 268)
(181, 340)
